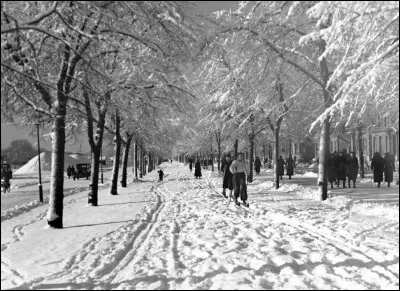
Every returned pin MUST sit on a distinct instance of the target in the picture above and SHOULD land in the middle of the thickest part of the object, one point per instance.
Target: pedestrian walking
(352, 169)
(69, 172)
(388, 168)
(281, 167)
(341, 170)
(257, 165)
(190, 164)
(378, 166)
(239, 169)
(160, 175)
(290, 165)
(197, 169)
(332, 169)
(227, 180)
(337, 163)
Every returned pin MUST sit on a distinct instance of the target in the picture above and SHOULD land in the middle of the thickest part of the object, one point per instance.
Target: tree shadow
(103, 223)
(121, 203)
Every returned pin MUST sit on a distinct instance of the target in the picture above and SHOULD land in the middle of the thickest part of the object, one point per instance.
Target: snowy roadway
(181, 234)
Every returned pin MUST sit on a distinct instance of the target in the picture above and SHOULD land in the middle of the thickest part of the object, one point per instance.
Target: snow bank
(45, 163)
(312, 166)
(309, 175)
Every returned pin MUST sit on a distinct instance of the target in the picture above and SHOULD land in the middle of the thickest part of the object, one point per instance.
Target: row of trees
(19, 152)
(171, 82)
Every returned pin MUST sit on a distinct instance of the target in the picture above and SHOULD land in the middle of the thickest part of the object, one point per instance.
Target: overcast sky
(11, 132)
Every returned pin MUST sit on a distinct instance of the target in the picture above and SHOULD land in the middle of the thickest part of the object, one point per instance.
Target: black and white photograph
(199, 145)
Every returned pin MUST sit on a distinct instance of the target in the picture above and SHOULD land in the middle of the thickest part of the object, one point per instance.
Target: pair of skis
(237, 203)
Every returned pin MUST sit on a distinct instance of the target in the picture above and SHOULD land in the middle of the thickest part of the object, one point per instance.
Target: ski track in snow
(188, 237)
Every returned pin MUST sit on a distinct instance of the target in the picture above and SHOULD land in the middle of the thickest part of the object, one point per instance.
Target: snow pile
(45, 163)
(264, 186)
(303, 165)
(313, 165)
(269, 170)
(365, 180)
(309, 175)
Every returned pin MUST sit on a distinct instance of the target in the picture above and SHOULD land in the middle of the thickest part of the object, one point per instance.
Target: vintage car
(81, 171)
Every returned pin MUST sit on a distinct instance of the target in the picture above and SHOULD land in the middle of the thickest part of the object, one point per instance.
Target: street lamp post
(40, 173)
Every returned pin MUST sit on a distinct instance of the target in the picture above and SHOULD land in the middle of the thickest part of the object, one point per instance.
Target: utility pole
(40, 173)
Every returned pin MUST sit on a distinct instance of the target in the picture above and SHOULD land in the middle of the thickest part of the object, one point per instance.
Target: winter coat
(197, 169)
(69, 171)
(290, 166)
(331, 169)
(190, 165)
(281, 167)
(227, 181)
(257, 165)
(352, 168)
(388, 168)
(378, 166)
(341, 168)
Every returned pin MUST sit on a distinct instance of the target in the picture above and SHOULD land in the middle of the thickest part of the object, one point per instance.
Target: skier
(239, 168)
(281, 167)
(160, 175)
(290, 165)
(352, 169)
(388, 168)
(197, 169)
(331, 169)
(341, 170)
(257, 165)
(227, 180)
(378, 165)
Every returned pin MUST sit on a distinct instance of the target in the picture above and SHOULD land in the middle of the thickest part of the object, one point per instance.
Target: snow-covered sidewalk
(182, 234)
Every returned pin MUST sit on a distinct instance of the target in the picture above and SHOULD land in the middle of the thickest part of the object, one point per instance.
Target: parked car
(81, 171)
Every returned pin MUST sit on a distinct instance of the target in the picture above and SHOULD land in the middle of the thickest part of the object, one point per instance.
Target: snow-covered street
(182, 234)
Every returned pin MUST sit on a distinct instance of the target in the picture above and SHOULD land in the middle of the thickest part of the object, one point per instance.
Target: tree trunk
(251, 140)
(150, 163)
(94, 176)
(125, 158)
(117, 141)
(276, 157)
(236, 145)
(136, 160)
(55, 212)
(360, 150)
(219, 155)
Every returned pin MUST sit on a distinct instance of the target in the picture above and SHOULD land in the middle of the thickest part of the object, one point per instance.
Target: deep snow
(182, 234)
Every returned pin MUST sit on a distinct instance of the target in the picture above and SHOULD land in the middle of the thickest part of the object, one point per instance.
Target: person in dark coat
(352, 169)
(331, 169)
(69, 171)
(281, 167)
(290, 165)
(378, 166)
(257, 165)
(388, 168)
(341, 168)
(160, 175)
(190, 164)
(227, 180)
(197, 169)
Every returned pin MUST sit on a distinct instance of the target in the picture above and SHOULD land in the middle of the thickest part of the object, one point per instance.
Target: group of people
(342, 166)
(197, 168)
(290, 164)
(70, 171)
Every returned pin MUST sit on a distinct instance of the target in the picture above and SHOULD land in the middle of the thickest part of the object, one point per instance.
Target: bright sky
(11, 132)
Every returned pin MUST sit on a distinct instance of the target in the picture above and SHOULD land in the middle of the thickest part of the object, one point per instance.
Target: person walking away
(388, 168)
(352, 169)
(257, 165)
(197, 169)
(290, 165)
(281, 167)
(160, 174)
(73, 172)
(331, 169)
(69, 171)
(190, 164)
(239, 169)
(341, 172)
(227, 180)
(378, 166)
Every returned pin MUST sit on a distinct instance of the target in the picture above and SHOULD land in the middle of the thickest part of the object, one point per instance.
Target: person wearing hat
(378, 166)
(388, 168)
(227, 180)
(352, 169)
(239, 169)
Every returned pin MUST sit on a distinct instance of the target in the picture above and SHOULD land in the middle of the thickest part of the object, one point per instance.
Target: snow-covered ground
(182, 234)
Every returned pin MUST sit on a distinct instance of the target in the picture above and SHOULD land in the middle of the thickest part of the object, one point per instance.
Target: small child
(160, 175)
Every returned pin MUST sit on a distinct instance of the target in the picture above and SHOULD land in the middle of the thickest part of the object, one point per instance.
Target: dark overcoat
(331, 169)
(352, 168)
(257, 165)
(281, 167)
(341, 170)
(227, 181)
(197, 169)
(388, 168)
(290, 166)
(378, 165)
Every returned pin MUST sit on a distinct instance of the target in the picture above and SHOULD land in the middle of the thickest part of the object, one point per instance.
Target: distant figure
(378, 166)
(257, 165)
(197, 169)
(341, 170)
(281, 167)
(69, 172)
(73, 172)
(331, 169)
(160, 175)
(388, 168)
(290, 165)
(190, 164)
(352, 169)
(227, 180)
(295, 161)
